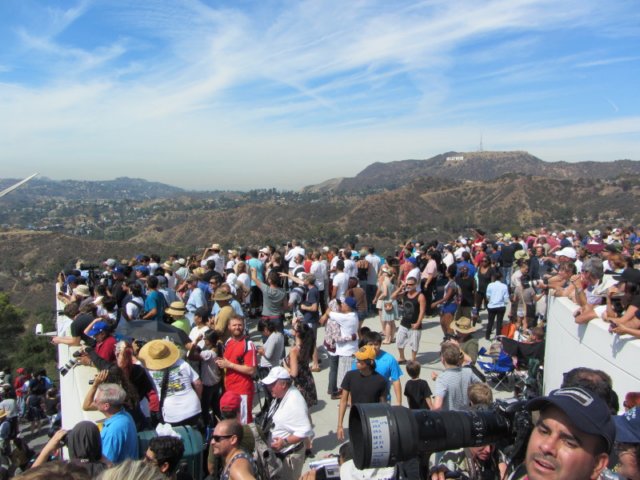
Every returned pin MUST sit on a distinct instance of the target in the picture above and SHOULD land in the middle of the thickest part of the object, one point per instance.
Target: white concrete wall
(75, 384)
(570, 345)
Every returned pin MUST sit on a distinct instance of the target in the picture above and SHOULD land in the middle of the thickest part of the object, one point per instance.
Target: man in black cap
(571, 439)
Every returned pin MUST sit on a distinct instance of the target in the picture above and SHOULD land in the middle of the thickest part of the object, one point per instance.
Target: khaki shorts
(406, 337)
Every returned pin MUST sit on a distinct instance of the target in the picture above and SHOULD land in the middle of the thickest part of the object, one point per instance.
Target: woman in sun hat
(177, 312)
(464, 328)
(178, 384)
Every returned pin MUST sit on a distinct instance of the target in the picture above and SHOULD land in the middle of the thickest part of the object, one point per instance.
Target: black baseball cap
(588, 412)
(630, 275)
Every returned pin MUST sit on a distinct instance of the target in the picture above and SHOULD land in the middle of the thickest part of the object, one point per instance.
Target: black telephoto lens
(383, 435)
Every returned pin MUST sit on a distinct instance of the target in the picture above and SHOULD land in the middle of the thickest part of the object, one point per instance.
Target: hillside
(399, 203)
(123, 187)
(477, 166)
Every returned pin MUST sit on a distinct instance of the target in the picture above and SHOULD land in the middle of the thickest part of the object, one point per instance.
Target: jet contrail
(13, 187)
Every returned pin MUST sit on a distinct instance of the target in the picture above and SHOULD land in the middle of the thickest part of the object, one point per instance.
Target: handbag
(388, 307)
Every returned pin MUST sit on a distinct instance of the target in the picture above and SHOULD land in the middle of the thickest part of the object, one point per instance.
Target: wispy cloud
(158, 78)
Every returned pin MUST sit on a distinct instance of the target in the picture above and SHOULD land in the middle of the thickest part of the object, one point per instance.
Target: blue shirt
(497, 295)
(119, 438)
(155, 300)
(259, 266)
(237, 308)
(470, 266)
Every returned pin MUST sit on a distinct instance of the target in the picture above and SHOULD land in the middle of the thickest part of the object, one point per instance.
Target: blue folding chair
(501, 368)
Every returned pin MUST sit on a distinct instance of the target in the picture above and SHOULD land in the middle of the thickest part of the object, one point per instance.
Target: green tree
(12, 320)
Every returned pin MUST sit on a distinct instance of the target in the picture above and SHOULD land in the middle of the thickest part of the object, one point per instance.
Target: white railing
(569, 345)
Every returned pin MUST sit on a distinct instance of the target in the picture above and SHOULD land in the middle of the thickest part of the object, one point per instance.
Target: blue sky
(227, 95)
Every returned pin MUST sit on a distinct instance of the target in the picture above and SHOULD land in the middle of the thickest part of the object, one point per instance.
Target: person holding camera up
(571, 439)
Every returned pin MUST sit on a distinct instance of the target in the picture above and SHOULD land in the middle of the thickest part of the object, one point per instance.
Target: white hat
(567, 252)
(276, 373)
(264, 250)
(182, 261)
(110, 262)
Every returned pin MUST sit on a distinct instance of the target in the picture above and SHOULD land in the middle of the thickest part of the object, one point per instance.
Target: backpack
(137, 304)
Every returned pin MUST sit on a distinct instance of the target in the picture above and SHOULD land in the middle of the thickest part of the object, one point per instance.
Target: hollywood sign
(455, 159)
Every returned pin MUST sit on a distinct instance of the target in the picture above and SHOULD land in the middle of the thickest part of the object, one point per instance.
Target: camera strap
(163, 389)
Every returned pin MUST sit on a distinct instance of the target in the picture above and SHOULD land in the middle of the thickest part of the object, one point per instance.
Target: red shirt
(107, 349)
(241, 351)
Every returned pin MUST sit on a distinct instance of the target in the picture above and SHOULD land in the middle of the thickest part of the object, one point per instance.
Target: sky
(239, 95)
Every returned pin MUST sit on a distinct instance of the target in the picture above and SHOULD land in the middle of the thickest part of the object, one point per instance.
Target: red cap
(230, 401)
(20, 370)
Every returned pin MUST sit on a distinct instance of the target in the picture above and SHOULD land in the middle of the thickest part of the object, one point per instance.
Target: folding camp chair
(497, 368)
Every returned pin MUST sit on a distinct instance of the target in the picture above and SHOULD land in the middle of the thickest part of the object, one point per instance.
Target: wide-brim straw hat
(463, 325)
(176, 309)
(222, 297)
(158, 354)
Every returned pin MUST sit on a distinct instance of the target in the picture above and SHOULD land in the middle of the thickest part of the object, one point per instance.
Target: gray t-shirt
(452, 385)
(273, 350)
(272, 300)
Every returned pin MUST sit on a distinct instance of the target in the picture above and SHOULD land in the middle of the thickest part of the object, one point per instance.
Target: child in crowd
(480, 395)
(417, 390)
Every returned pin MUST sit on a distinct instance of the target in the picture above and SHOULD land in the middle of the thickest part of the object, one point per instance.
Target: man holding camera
(571, 439)
(291, 422)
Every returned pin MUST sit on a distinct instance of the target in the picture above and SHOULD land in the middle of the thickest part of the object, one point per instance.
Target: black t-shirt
(79, 325)
(508, 252)
(364, 389)
(466, 288)
(118, 293)
(417, 391)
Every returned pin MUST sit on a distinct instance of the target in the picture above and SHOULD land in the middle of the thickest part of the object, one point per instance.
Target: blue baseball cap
(586, 410)
(70, 279)
(351, 302)
(119, 269)
(142, 269)
(97, 328)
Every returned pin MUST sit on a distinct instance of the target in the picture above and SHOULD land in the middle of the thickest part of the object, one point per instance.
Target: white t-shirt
(374, 261)
(415, 274)
(291, 417)
(291, 256)
(341, 284)
(448, 259)
(246, 281)
(181, 400)
(350, 268)
(348, 326)
(196, 332)
(332, 266)
(319, 270)
(208, 368)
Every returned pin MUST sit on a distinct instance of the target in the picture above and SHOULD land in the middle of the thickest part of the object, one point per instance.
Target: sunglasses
(218, 438)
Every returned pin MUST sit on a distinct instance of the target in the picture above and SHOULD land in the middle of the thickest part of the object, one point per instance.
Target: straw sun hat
(176, 309)
(463, 325)
(158, 354)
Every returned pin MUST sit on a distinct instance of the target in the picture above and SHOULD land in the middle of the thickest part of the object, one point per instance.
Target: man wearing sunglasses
(226, 438)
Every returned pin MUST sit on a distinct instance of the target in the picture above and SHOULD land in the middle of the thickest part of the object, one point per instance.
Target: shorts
(448, 308)
(408, 337)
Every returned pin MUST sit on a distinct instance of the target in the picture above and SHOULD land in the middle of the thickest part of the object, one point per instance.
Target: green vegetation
(20, 347)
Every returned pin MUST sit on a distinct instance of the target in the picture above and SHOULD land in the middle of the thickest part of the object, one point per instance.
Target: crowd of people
(244, 332)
